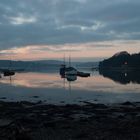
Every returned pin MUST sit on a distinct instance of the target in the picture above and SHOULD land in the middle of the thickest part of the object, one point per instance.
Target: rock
(35, 96)
(3, 98)
(128, 103)
(22, 136)
(5, 122)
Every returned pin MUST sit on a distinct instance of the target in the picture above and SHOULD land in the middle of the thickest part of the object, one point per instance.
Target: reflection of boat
(71, 78)
(71, 71)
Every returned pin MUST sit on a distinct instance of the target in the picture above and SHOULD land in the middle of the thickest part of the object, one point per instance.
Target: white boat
(64, 70)
(70, 71)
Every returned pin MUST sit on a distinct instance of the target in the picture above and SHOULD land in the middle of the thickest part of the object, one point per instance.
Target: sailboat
(7, 71)
(64, 70)
(71, 71)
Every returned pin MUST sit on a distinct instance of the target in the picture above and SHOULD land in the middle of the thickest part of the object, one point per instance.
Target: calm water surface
(51, 88)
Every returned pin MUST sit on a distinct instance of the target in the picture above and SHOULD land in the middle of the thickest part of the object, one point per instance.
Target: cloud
(90, 50)
(55, 22)
(21, 20)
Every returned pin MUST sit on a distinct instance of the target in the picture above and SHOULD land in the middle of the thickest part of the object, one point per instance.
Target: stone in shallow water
(128, 103)
(5, 122)
(35, 96)
(3, 98)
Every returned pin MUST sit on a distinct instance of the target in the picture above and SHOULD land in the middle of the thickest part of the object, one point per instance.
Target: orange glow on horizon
(77, 51)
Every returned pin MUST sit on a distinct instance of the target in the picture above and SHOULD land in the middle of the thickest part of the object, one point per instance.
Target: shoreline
(36, 121)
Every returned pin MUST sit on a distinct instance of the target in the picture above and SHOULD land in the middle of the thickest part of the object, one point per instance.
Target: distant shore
(36, 121)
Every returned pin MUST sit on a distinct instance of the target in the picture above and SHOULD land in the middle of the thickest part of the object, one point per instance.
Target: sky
(85, 29)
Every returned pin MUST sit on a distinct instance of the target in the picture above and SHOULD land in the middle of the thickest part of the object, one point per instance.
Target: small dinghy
(83, 74)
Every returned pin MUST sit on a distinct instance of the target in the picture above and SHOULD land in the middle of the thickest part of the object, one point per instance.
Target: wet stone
(5, 122)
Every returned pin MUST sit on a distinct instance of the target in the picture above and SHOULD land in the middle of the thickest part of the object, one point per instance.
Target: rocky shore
(37, 121)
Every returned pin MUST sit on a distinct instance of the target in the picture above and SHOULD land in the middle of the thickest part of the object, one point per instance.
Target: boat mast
(69, 61)
(10, 63)
(64, 60)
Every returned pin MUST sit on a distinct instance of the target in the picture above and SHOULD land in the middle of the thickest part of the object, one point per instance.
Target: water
(51, 88)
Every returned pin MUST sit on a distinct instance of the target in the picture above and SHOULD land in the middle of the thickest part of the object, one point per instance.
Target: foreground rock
(30, 121)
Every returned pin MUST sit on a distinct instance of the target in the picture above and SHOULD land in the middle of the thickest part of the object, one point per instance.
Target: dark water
(51, 88)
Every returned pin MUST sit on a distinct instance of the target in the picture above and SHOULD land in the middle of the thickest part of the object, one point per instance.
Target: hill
(41, 65)
(121, 60)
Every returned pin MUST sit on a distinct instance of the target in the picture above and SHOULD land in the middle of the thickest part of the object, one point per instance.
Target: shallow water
(51, 88)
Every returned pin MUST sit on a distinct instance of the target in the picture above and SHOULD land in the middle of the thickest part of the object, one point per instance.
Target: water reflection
(72, 76)
(123, 77)
(53, 88)
(33, 80)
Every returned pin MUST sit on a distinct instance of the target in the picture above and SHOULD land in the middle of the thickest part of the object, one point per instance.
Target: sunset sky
(86, 29)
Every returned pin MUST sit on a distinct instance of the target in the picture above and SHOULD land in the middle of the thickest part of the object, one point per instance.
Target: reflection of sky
(47, 80)
(51, 87)
(34, 80)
